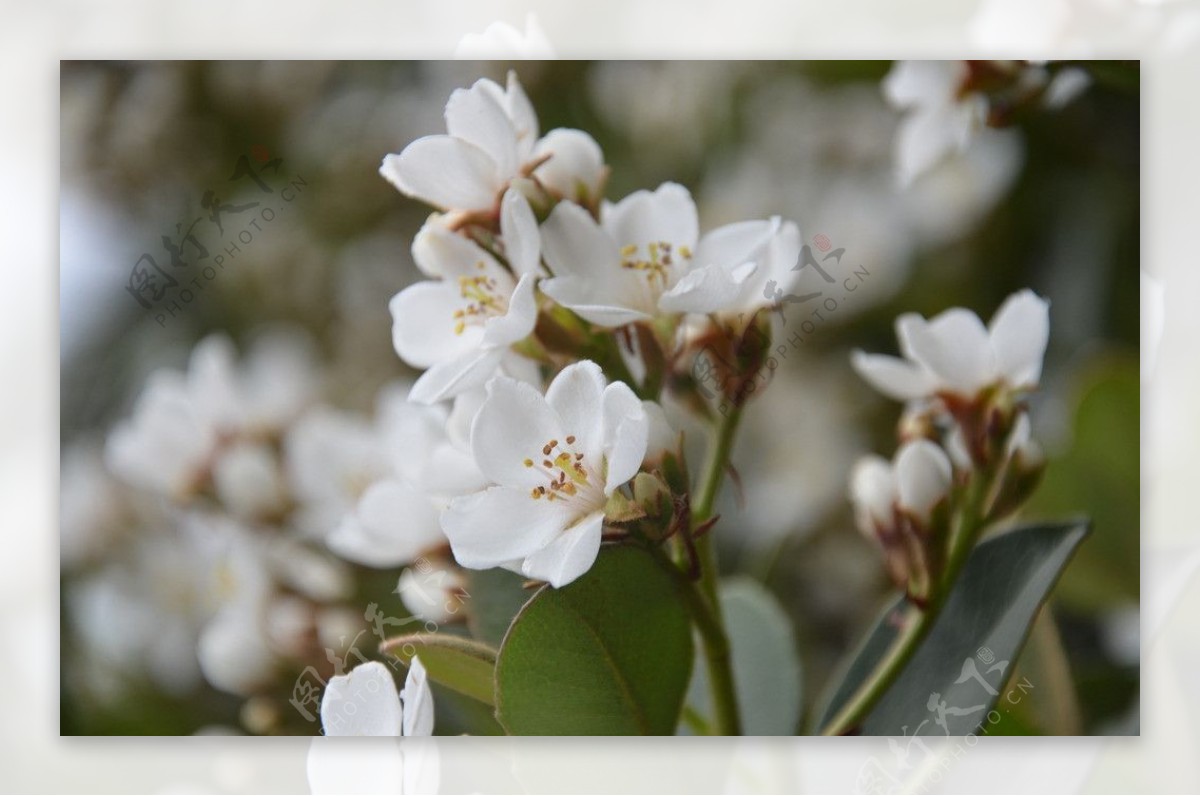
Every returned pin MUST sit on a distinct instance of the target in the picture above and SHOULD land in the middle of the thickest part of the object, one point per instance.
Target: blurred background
(1051, 203)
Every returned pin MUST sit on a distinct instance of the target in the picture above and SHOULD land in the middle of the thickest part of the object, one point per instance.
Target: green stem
(917, 620)
(716, 642)
(706, 495)
(707, 618)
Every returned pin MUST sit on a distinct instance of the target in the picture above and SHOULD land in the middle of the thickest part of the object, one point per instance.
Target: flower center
(484, 300)
(657, 262)
(566, 475)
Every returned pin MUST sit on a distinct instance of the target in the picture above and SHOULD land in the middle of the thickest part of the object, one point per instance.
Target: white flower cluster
(947, 103)
(964, 384)
(216, 573)
(522, 232)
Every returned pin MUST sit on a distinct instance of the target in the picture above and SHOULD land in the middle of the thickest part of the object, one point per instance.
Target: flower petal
(417, 700)
(445, 172)
(907, 325)
(499, 524)
(575, 245)
(441, 252)
(581, 296)
(776, 263)
(923, 476)
(424, 329)
(393, 524)
(1019, 332)
(733, 244)
(895, 378)
(462, 374)
(518, 322)
(954, 346)
(363, 702)
(570, 555)
(519, 230)
(513, 424)
(873, 490)
(923, 139)
(577, 395)
(626, 429)
(575, 170)
(520, 109)
(668, 214)
(661, 436)
(477, 115)
(706, 289)
(923, 83)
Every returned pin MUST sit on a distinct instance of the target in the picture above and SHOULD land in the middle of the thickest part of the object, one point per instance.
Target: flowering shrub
(543, 303)
(537, 495)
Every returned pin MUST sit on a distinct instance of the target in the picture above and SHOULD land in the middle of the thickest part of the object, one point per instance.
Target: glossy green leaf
(461, 664)
(609, 654)
(494, 596)
(956, 675)
(766, 668)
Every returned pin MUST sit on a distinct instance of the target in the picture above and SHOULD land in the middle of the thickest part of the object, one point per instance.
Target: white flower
(180, 419)
(917, 478)
(644, 258)
(365, 702)
(955, 354)
(502, 41)
(461, 324)
(940, 117)
(378, 489)
(492, 138)
(555, 459)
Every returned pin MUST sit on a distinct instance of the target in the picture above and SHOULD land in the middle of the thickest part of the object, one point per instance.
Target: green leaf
(494, 596)
(609, 654)
(766, 668)
(983, 625)
(458, 663)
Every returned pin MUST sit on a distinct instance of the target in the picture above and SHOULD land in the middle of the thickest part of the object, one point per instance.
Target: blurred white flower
(365, 702)
(955, 354)
(940, 117)
(181, 420)
(556, 459)
(501, 41)
(460, 324)
(492, 134)
(249, 482)
(94, 508)
(645, 258)
(434, 593)
(233, 650)
(379, 488)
